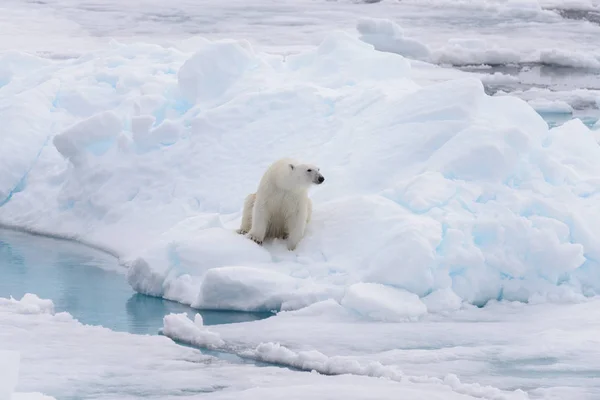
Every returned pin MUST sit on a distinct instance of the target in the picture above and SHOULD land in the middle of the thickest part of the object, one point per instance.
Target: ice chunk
(423, 192)
(568, 58)
(498, 78)
(409, 258)
(329, 63)
(165, 134)
(140, 126)
(182, 252)
(472, 51)
(442, 300)
(386, 35)
(213, 69)
(30, 304)
(180, 327)
(245, 289)
(383, 303)
(94, 134)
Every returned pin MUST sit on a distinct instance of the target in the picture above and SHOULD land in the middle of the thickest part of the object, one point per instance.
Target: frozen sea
(453, 249)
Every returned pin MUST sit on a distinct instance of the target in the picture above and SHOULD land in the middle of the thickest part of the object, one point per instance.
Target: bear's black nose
(321, 179)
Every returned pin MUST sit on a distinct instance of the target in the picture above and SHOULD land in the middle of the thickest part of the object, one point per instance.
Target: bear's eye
(309, 170)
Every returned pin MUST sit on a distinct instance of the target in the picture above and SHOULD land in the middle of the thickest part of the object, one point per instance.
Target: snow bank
(437, 191)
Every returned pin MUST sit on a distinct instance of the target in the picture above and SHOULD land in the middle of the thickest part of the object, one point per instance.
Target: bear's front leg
(260, 221)
(296, 227)
(247, 214)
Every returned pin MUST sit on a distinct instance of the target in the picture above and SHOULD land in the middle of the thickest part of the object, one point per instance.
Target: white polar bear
(281, 208)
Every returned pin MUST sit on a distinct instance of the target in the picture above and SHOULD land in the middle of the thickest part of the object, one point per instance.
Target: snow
(319, 362)
(9, 373)
(29, 304)
(96, 362)
(567, 58)
(386, 35)
(382, 303)
(551, 107)
(64, 28)
(576, 99)
(500, 349)
(439, 199)
(182, 328)
(9, 369)
(460, 191)
(94, 134)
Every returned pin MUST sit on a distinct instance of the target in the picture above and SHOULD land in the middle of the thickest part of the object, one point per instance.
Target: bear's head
(305, 175)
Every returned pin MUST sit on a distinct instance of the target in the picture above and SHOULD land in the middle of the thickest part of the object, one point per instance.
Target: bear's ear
(292, 166)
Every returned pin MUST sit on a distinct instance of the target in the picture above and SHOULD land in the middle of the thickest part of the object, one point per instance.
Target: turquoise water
(88, 284)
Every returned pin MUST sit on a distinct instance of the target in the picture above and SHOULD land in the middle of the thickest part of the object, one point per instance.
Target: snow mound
(244, 288)
(386, 35)
(180, 327)
(213, 69)
(442, 300)
(29, 304)
(498, 78)
(567, 58)
(436, 196)
(213, 243)
(93, 134)
(474, 51)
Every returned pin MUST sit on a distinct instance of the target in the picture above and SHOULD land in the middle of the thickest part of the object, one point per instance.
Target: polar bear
(281, 208)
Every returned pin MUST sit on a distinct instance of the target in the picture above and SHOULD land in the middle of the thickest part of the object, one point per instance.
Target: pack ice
(436, 194)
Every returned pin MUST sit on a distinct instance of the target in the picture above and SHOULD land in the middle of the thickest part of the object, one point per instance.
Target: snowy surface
(549, 351)
(97, 363)
(495, 29)
(9, 368)
(9, 373)
(150, 151)
(438, 197)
